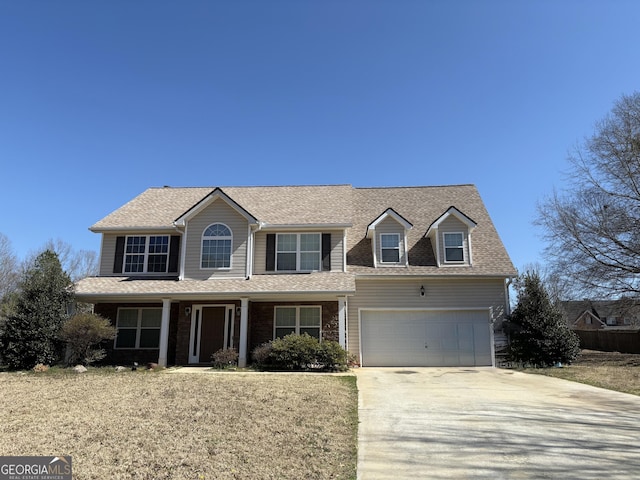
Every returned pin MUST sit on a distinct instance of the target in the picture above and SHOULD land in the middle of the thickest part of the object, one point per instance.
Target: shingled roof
(295, 205)
(158, 208)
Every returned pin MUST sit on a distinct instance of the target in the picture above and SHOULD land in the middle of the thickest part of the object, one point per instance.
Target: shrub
(83, 332)
(300, 352)
(225, 358)
(294, 352)
(538, 333)
(261, 355)
(332, 356)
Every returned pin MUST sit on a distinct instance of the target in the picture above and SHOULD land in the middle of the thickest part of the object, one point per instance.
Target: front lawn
(611, 370)
(149, 425)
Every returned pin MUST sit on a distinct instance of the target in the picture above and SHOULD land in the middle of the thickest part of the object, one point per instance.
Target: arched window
(216, 246)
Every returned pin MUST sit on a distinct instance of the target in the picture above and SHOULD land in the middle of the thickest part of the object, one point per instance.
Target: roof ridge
(255, 186)
(416, 186)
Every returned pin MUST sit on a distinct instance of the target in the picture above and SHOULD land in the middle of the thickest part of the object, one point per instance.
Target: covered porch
(185, 322)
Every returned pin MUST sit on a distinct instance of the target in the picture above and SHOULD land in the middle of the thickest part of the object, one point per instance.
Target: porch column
(244, 326)
(164, 332)
(342, 321)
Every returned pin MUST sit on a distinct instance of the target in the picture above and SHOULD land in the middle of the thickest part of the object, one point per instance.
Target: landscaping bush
(261, 355)
(539, 336)
(300, 352)
(83, 333)
(225, 358)
(332, 356)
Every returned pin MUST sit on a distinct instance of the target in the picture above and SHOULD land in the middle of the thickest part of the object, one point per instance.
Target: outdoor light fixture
(187, 310)
(422, 291)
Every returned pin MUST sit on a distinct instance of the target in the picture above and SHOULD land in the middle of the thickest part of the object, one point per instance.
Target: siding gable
(452, 221)
(217, 212)
(453, 225)
(389, 239)
(385, 227)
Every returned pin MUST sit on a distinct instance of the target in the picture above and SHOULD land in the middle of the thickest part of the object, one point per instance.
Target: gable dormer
(217, 238)
(451, 235)
(388, 234)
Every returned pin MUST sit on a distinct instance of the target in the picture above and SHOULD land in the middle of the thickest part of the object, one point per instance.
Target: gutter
(305, 226)
(135, 229)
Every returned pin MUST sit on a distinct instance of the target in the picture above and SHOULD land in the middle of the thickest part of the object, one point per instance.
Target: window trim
(461, 247)
(398, 248)
(146, 254)
(230, 238)
(299, 252)
(138, 328)
(297, 325)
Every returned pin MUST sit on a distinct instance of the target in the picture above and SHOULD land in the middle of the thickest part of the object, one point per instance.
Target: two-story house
(407, 276)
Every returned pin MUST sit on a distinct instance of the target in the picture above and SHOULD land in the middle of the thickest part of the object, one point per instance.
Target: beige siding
(453, 225)
(107, 254)
(260, 251)
(218, 212)
(446, 294)
(389, 225)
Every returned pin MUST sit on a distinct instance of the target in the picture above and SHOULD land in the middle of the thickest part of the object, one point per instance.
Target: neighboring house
(413, 276)
(601, 314)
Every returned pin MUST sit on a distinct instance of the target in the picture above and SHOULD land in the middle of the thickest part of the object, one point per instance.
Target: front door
(211, 332)
(212, 328)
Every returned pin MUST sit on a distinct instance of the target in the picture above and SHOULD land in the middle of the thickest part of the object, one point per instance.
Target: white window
(144, 254)
(138, 328)
(299, 320)
(216, 246)
(389, 248)
(298, 252)
(453, 247)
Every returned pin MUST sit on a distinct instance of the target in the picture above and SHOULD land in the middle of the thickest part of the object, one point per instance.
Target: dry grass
(611, 370)
(148, 425)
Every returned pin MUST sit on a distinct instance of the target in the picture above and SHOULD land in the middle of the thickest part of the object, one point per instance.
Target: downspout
(183, 252)
(249, 262)
(507, 296)
(252, 229)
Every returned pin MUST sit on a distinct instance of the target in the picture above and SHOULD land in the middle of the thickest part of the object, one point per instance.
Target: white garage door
(425, 338)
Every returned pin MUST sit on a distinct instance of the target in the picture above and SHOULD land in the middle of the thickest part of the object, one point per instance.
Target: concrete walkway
(469, 423)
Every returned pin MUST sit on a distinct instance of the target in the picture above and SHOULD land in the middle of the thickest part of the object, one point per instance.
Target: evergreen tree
(538, 333)
(31, 332)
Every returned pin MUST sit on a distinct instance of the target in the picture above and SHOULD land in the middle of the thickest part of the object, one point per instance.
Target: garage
(425, 338)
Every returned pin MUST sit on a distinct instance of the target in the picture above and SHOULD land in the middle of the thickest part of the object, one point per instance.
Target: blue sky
(101, 100)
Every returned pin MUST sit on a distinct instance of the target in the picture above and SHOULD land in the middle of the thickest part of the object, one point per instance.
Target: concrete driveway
(468, 423)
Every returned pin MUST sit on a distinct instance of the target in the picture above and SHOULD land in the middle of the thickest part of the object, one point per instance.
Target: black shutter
(271, 252)
(174, 253)
(119, 258)
(326, 252)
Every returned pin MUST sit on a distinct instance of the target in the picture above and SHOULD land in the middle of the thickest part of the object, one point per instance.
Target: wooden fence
(623, 341)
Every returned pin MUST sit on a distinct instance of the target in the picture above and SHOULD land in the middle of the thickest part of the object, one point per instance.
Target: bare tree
(8, 267)
(593, 226)
(78, 264)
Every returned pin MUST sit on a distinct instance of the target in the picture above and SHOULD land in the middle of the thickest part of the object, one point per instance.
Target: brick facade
(128, 356)
(261, 320)
(260, 329)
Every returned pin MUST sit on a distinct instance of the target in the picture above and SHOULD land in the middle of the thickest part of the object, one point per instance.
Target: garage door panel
(425, 338)
(395, 343)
